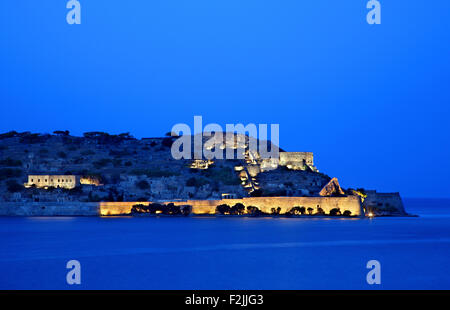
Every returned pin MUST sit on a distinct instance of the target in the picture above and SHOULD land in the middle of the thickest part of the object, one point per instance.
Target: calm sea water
(229, 253)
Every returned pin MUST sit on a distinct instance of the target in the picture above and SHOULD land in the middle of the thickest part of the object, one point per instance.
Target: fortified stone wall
(383, 203)
(49, 209)
(265, 204)
(297, 160)
(286, 157)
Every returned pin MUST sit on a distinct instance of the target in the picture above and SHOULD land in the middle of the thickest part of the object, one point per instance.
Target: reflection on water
(226, 253)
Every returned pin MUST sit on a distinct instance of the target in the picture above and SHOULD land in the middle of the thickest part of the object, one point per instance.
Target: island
(101, 174)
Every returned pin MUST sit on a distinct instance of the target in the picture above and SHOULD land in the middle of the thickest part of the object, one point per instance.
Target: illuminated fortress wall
(351, 203)
(297, 160)
(265, 204)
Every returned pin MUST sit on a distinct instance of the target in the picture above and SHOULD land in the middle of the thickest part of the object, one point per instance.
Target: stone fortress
(60, 181)
(57, 181)
(106, 175)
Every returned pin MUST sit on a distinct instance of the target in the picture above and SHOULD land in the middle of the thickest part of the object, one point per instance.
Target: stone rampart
(265, 204)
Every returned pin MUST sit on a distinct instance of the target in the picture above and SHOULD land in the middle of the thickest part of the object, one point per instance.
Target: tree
(254, 211)
(310, 210)
(347, 213)
(223, 209)
(171, 209)
(297, 211)
(237, 209)
(320, 211)
(335, 211)
(186, 210)
(139, 208)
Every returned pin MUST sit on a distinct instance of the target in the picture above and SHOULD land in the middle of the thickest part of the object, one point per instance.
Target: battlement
(297, 160)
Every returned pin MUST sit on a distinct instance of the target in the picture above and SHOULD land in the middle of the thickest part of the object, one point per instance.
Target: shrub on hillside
(196, 182)
(223, 175)
(101, 163)
(61, 154)
(10, 134)
(154, 173)
(8, 173)
(13, 186)
(33, 138)
(9, 162)
(87, 153)
(143, 185)
(61, 132)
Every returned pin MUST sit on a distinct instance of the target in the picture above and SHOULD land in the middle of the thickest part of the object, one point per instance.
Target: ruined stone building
(46, 181)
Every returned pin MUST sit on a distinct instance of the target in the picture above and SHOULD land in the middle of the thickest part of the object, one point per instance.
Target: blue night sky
(371, 101)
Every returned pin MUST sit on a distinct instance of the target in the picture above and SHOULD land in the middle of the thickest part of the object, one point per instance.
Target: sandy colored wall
(296, 157)
(351, 203)
(265, 204)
